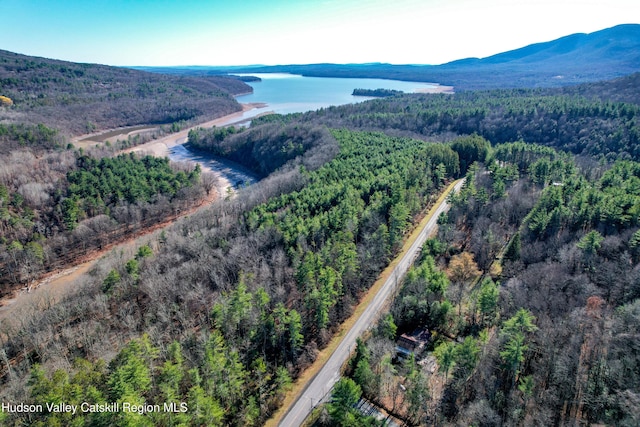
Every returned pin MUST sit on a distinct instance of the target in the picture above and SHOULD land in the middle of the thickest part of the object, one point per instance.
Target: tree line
(378, 93)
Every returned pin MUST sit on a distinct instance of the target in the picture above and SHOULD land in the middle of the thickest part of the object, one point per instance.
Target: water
(291, 93)
(236, 175)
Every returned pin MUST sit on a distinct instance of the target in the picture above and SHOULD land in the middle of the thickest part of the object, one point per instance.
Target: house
(415, 342)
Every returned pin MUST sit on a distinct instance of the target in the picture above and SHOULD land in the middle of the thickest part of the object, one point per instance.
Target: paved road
(318, 389)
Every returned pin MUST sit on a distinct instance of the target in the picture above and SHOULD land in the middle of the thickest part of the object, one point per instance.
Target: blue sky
(241, 32)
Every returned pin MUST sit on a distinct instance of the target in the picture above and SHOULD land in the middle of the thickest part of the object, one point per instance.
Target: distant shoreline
(436, 89)
(87, 140)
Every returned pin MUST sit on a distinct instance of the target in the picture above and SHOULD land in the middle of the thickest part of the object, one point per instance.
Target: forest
(597, 120)
(378, 93)
(318, 246)
(62, 204)
(84, 98)
(528, 293)
(530, 297)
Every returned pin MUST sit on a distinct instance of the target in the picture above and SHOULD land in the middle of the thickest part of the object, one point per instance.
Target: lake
(291, 93)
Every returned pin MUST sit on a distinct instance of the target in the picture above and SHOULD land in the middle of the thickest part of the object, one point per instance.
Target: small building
(413, 343)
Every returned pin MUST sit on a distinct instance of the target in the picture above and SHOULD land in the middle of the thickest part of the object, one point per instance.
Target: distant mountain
(81, 98)
(577, 58)
(617, 47)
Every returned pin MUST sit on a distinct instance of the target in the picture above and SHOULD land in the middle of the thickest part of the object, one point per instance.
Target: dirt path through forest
(160, 147)
(53, 286)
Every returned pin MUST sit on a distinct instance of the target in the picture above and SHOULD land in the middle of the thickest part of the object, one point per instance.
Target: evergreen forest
(529, 292)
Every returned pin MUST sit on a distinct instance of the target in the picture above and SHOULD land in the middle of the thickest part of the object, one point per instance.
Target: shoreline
(160, 147)
(126, 131)
(437, 89)
(54, 285)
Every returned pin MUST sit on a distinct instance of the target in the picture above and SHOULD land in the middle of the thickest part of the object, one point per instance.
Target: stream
(232, 174)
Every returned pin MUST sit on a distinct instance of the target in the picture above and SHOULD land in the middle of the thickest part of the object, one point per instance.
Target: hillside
(576, 58)
(596, 119)
(622, 89)
(613, 45)
(529, 294)
(83, 98)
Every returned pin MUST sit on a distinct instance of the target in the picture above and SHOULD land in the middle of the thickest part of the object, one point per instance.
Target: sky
(272, 32)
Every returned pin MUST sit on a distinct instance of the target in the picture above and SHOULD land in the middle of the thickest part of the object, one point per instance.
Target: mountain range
(83, 98)
(576, 58)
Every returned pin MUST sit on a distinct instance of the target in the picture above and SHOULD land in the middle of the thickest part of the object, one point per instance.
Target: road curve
(318, 388)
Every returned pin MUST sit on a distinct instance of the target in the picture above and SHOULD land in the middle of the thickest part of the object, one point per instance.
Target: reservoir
(291, 93)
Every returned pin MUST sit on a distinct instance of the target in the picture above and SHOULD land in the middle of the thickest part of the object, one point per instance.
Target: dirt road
(310, 392)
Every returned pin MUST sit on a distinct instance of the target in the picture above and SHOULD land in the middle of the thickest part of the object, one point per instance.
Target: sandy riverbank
(89, 140)
(436, 89)
(160, 147)
(53, 287)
